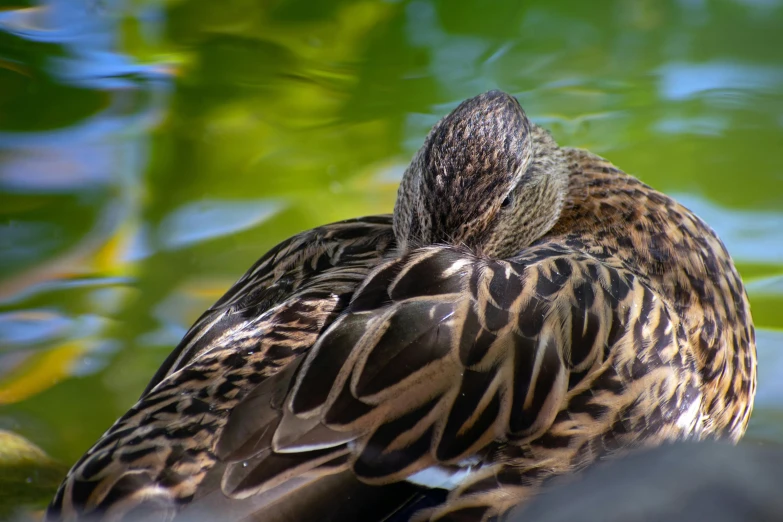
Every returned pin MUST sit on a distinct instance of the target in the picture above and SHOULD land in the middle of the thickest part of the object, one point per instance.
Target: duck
(527, 310)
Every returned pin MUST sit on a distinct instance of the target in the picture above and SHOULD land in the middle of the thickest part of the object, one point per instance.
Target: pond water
(150, 151)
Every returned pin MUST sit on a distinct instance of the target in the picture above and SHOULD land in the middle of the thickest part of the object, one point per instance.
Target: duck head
(486, 178)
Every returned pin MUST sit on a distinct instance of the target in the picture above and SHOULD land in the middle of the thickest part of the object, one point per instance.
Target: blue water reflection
(682, 81)
(202, 220)
(31, 326)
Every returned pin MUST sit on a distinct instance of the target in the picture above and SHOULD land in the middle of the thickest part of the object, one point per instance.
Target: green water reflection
(151, 151)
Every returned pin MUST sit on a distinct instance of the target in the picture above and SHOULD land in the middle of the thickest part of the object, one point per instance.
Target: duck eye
(507, 202)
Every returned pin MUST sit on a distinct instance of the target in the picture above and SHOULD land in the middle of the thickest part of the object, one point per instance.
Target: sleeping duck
(526, 310)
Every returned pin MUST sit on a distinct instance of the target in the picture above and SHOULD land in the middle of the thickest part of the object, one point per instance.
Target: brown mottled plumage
(529, 309)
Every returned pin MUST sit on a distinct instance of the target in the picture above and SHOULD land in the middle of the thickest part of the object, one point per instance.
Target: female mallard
(526, 310)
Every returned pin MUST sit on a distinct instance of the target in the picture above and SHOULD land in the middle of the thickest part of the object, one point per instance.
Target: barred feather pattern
(626, 325)
(154, 458)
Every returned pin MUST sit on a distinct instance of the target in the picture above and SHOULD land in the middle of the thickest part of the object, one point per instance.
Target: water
(150, 151)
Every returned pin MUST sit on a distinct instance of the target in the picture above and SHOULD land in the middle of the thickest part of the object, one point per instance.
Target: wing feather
(441, 353)
(292, 266)
(239, 357)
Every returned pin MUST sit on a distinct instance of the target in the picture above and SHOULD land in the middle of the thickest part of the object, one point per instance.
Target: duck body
(355, 366)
